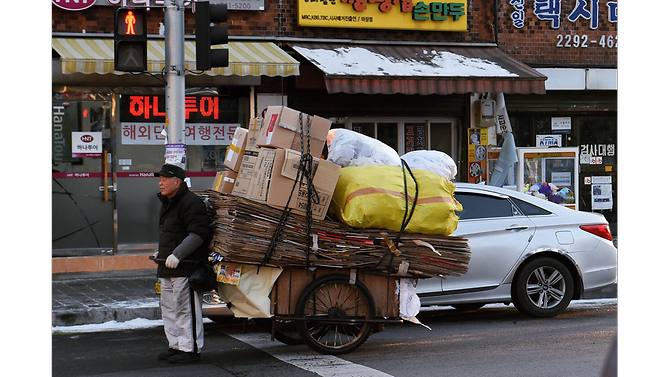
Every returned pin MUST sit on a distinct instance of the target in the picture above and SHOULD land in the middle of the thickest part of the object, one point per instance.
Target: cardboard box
(246, 172)
(224, 181)
(274, 176)
(236, 148)
(260, 180)
(255, 125)
(281, 129)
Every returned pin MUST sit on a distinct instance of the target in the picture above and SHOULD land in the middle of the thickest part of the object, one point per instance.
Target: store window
(405, 135)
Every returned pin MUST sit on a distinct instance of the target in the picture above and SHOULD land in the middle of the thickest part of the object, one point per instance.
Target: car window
(476, 206)
(529, 209)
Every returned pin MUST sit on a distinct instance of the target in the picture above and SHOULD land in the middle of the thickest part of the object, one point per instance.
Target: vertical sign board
(477, 155)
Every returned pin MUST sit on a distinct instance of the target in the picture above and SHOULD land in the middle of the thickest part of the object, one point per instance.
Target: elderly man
(184, 238)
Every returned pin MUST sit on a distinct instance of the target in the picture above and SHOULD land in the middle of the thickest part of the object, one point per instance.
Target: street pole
(175, 89)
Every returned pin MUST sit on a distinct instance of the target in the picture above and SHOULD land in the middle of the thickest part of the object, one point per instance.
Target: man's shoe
(184, 357)
(166, 354)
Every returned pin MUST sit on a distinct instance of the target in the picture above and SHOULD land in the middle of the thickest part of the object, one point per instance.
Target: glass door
(83, 197)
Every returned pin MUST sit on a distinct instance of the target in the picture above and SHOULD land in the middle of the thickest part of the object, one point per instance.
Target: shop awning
(419, 69)
(96, 55)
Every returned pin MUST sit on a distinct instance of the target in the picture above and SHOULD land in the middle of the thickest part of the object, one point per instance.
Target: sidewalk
(87, 298)
(99, 289)
(101, 294)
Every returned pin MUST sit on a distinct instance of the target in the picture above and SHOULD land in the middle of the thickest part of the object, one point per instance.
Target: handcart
(333, 311)
(337, 284)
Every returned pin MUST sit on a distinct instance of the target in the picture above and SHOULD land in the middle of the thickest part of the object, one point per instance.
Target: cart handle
(162, 260)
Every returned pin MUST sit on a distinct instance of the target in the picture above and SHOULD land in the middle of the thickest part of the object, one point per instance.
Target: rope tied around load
(306, 171)
(407, 217)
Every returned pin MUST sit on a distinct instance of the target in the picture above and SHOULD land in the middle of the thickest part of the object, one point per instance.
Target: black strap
(407, 217)
(305, 170)
(194, 332)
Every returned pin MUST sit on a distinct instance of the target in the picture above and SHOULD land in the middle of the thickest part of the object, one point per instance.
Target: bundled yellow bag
(374, 197)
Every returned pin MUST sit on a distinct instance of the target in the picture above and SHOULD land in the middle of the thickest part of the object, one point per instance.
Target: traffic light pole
(175, 90)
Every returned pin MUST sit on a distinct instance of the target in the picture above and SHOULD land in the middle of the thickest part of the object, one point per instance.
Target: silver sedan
(525, 250)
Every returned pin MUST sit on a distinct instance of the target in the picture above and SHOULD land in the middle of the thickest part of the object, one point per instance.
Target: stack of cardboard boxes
(263, 162)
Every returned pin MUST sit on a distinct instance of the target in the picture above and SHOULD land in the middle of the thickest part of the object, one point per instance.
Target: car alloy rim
(545, 287)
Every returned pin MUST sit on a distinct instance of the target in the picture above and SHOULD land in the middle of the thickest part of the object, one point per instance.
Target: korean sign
(553, 14)
(385, 14)
(86, 144)
(210, 120)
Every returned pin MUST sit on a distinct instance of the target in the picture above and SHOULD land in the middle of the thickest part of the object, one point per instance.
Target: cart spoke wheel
(336, 314)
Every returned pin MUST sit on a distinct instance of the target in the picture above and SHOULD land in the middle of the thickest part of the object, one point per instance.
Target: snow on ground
(142, 323)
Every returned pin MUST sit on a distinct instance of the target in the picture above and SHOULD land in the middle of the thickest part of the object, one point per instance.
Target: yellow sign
(385, 14)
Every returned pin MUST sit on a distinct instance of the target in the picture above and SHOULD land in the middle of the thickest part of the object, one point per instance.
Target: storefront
(409, 78)
(108, 135)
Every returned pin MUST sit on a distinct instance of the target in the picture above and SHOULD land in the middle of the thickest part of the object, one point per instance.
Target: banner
(503, 124)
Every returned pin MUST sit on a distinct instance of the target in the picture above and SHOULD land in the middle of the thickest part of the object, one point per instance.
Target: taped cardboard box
(275, 173)
(235, 150)
(246, 172)
(224, 181)
(281, 129)
(255, 125)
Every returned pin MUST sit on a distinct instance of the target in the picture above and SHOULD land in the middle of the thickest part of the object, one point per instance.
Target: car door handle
(517, 227)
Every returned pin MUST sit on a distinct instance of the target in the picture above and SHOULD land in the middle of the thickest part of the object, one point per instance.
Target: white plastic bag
(437, 162)
(350, 148)
(410, 304)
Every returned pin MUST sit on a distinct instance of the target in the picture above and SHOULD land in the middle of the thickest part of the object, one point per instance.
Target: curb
(102, 315)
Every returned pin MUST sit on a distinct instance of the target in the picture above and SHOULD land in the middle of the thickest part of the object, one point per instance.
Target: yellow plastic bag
(374, 197)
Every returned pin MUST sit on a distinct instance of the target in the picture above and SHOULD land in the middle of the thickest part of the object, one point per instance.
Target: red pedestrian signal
(130, 39)
(130, 22)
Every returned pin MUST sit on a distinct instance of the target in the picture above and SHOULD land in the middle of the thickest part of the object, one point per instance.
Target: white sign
(86, 144)
(601, 193)
(561, 125)
(138, 133)
(548, 141)
(175, 154)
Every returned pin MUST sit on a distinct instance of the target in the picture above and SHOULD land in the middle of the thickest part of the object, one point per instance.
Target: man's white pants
(181, 309)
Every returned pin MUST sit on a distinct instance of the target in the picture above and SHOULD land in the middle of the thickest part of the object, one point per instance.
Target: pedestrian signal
(130, 39)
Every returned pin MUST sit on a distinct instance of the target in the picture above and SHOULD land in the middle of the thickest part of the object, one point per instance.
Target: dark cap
(171, 171)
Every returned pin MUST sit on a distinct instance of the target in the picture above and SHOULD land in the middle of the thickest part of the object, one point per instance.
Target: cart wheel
(335, 313)
(285, 330)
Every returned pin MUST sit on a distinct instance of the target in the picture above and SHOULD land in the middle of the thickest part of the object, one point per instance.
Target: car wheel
(542, 288)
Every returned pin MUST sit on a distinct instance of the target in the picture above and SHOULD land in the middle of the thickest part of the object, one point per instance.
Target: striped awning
(420, 69)
(96, 55)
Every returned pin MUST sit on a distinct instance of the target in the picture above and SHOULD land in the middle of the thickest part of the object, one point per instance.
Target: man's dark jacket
(183, 214)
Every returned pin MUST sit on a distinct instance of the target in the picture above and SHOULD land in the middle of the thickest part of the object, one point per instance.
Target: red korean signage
(197, 109)
(210, 120)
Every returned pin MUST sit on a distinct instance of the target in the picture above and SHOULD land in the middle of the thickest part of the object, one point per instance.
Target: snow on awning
(419, 69)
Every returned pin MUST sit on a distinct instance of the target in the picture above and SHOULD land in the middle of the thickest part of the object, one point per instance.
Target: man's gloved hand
(155, 256)
(171, 261)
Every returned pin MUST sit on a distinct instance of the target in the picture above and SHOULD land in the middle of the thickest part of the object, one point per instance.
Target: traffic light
(130, 39)
(207, 35)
